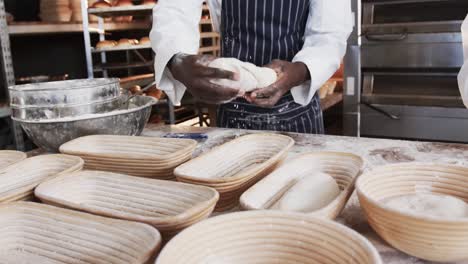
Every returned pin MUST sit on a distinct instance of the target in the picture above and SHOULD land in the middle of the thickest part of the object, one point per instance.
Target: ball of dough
(264, 76)
(246, 79)
(251, 77)
(311, 193)
(426, 204)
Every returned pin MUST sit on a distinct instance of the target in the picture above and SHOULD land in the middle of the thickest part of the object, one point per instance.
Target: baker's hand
(290, 75)
(194, 73)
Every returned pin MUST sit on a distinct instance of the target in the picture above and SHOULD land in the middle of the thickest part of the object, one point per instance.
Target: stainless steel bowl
(51, 134)
(64, 98)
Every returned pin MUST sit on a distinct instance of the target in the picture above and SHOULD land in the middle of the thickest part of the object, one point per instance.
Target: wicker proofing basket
(168, 206)
(9, 157)
(432, 239)
(138, 156)
(235, 166)
(343, 167)
(268, 237)
(37, 233)
(17, 182)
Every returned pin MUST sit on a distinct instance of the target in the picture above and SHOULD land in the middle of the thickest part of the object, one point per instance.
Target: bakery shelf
(208, 49)
(133, 47)
(205, 21)
(39, 28)
(331, 100)
(209, 35)
(138, 10)
(117, 66)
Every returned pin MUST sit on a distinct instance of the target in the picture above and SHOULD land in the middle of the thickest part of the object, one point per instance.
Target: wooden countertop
(375, 152)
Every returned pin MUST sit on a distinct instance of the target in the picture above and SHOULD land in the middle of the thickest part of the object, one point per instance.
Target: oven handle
(390, 37)
(380, 110)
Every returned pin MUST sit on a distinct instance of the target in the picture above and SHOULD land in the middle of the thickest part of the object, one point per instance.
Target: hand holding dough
(251, 77)
(311, 193)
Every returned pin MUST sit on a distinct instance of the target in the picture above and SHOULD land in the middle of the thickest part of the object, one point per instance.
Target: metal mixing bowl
(51, 134)
(64, 98)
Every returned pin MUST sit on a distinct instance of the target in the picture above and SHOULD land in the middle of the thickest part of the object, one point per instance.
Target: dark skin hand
(290, 75)
(193, 72)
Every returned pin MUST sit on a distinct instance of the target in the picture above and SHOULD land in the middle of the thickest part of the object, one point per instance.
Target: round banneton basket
(268, 237)
(434, 239)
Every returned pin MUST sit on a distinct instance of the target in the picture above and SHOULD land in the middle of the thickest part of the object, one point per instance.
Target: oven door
(414, 51)
(413, 105)
(438, 89)
(413, 16)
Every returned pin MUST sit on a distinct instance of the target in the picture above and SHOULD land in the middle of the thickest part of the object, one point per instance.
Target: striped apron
(259, 31)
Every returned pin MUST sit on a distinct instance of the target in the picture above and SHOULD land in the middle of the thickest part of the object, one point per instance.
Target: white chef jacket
(176, 30)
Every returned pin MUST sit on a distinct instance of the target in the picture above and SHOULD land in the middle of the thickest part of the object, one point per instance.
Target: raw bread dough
(429, 204)
(251, 76)
(311, 193)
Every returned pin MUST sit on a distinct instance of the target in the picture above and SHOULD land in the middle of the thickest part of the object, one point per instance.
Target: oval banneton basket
(17, 182)
(38, 233)
(9, 157)
(235, 166)
(138, 156)
(343, 167)
(434, 239)
(168, 206)
(268, 237)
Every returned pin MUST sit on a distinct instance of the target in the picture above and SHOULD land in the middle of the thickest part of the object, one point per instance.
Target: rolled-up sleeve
(328, 27)
(175, 30)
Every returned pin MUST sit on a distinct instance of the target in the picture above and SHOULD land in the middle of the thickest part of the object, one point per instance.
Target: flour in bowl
(427, 204)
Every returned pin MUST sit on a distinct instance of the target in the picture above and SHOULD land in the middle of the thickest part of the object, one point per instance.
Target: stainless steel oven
(402, 17)
(410, 52)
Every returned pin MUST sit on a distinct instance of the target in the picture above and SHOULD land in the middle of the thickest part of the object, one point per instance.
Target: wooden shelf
(205, 21)
(133, 47)
(209, 35)
(40, 28)
(331, 100)
(138, 10)
(117, 66)
(208, 49)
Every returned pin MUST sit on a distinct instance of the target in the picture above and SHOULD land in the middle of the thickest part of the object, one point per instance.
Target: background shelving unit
(8, 78)
(98, 62)
(134, 59)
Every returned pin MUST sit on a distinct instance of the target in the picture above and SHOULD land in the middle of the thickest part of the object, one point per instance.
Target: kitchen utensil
(434, 239)
(9, 157)
(144, 89)
(235, 166)
(19, 180)
(51, 134)
(343, 167)
(139, 156)
(268, 237)
(51, 100)
(38, 233)
(168, 206)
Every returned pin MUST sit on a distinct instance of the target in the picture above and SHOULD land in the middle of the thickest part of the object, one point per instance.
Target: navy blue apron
(259, 31)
